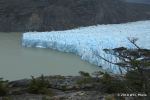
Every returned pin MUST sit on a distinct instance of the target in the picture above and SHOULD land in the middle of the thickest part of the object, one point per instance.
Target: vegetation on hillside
(39, 86)
(48, 15)
(3, 87)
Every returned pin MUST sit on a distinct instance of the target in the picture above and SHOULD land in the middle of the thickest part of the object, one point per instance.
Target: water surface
(17, 62)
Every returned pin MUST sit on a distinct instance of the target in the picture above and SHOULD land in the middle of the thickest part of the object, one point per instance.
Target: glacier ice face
(85, 41)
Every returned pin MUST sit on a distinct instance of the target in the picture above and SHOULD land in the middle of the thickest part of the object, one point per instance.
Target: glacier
(86, 41)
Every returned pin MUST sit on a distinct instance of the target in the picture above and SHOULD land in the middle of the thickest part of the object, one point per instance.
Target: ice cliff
(85, 41)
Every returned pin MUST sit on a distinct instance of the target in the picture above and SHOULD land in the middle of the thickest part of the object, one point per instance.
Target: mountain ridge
(48, 15)
(138, 1)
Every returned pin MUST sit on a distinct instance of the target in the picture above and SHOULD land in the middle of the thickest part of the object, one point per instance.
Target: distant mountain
(47, 15)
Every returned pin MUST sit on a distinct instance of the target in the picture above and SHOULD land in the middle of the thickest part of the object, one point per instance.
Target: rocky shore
(83, 87)
(61, 87)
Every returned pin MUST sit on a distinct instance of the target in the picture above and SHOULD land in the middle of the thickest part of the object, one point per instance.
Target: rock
(19, 83)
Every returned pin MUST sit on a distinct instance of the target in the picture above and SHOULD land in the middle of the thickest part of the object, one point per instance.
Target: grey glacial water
(17, 62)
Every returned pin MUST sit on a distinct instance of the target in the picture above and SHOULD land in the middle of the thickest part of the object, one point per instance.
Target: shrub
(84, 80)
(3, 87)
(135, 82)
(39, 86)
(84, 74)
(6, 98)
(111, 85)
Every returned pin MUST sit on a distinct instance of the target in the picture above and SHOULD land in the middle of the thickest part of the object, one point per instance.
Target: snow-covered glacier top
(85, 41)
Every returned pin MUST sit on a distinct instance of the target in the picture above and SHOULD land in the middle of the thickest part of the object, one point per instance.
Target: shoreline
(61, 87)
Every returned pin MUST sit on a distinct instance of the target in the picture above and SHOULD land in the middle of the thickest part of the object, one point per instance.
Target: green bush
(39, 86)
(111, 85)
(64, 87)
(6, 98)
(84, 80)
(3, 87)
(84, 74)
(135, 82)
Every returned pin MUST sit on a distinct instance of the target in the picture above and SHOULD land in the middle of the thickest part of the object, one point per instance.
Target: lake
(17, 62)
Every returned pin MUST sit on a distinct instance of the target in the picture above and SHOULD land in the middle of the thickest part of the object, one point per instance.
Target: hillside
(139, 1)
(47, 15)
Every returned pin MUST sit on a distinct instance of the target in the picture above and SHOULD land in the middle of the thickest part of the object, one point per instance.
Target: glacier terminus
(85, 41)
